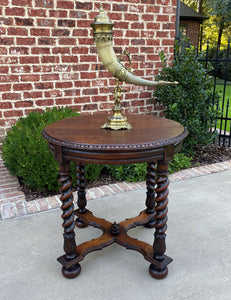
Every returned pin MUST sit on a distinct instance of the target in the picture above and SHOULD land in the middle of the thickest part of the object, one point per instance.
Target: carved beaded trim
(105, 36)
(132, 147)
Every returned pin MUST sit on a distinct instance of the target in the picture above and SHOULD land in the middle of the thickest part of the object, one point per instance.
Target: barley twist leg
(68, 220)
(150, 199)
(159, 246)
(81, 202)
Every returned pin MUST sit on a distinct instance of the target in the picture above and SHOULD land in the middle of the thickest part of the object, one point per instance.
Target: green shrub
(137, 172)
(134, 172)
(26, 154)
(191, 101)
(180, 161)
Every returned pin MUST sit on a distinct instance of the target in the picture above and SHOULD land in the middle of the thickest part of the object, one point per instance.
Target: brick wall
(192, 31)
(48, 57)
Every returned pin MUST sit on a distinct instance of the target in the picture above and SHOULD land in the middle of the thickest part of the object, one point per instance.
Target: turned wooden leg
(81, 202)
(161, 209)
(68, 220)
(150, 199)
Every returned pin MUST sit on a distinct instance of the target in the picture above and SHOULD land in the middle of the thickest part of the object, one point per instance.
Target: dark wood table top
(84, 132)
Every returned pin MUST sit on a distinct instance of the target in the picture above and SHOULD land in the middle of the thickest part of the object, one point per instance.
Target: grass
(220, 89)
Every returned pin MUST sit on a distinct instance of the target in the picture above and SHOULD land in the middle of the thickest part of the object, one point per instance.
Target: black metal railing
(218, 64)
(220, 59)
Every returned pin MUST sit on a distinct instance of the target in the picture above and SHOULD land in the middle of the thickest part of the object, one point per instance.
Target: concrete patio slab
(198, 240)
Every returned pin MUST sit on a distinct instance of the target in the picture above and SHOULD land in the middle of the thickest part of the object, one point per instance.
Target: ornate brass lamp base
(117, 121)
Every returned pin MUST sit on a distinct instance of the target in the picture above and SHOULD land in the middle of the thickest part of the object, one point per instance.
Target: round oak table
(81, 139)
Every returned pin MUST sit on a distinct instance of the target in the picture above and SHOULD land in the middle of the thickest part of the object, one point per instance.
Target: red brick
(84, 23)
(6, 21)
(70, 59)
(42, 69)
(24, 21)
(42, 13)
(42, 204)
(80, 32)
(50, 77)
(84, 5)
(90, 107)
(163, 18)
(120, 7)
(66, 23)
(61, 85)
(60, 32)
(32, 95)
(11, 96)
(6, 41)
(22, 3)
(22, 87)
(46, 41)
(5, 105)
(30, 77)
(162, 34)
(9, 60)
(67, 41)
(8, 211)
(86, 75)
(47, 102)
(137, 25)
(72, 92)
(153, 9)
(12, 113)
(88, 58)
(20, 209)
(50, 59)
(31, 207)
(91, 91)
(40, 32)
(65, 4)
(61, 50)
(41, 50)
(3, 51)
(15, 11)
(23, 104)
(2, 30)
(29, 60)
(19, 50)
(148, 17)
(44, 85)
(25, 41)
(4, 2)
(62, 68)
(46, 4)
(45, 23)
(78, 14)
(5, 87)
(58, 13)
(53, 94)
(63, 101)
(53, 201)
(9, 78)
(4, 70)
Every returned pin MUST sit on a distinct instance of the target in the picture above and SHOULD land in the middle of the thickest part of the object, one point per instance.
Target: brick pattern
(193, 29)
(48, 57)
(16, 206)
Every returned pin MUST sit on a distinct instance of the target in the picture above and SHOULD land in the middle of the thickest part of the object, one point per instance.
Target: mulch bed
(203, 155)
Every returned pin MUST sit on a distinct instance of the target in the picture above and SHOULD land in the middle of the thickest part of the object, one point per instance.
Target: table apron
(113, 158)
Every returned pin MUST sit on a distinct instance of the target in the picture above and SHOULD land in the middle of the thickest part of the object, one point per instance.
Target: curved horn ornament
(103, 37)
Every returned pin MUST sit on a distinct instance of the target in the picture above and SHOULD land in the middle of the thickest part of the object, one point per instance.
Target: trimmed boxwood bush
(26, 153)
